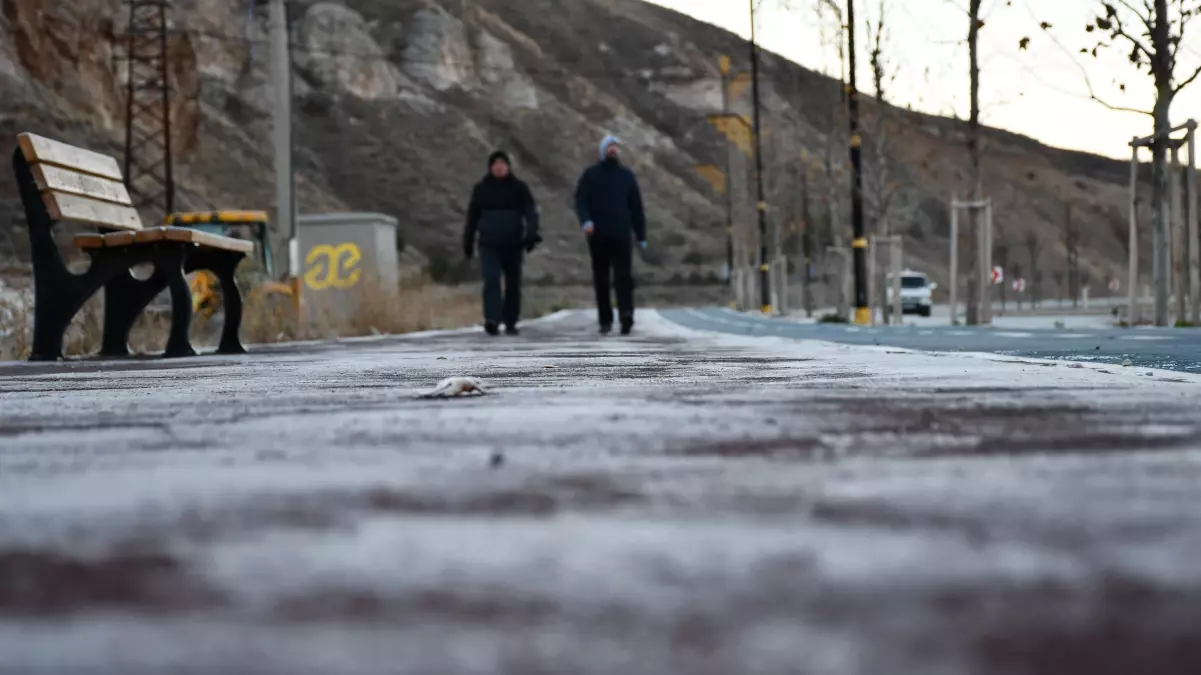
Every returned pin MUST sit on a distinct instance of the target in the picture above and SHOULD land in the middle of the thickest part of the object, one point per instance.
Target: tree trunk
(973, 268)
(1161, 69)
(806, 244)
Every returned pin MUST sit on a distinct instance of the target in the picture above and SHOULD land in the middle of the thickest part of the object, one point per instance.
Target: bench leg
(224, 265)
(50, 322)
(58, 294)
(227, 265)
(58, 298)
(179, 344)
(125, 298)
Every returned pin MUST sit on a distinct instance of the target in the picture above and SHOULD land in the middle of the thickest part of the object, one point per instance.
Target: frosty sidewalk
(675, 502)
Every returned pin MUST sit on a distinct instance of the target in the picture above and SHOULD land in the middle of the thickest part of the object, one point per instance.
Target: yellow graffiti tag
(333, 266)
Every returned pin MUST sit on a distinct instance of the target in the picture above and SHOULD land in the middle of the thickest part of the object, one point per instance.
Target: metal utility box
(343, 256)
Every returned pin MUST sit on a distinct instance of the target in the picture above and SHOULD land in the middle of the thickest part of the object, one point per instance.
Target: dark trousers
(497, 262)
(612, 258)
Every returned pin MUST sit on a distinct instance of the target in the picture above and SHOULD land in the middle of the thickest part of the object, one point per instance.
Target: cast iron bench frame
(61, 182)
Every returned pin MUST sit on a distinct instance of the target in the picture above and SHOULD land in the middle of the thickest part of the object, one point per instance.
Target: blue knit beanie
(609, 140)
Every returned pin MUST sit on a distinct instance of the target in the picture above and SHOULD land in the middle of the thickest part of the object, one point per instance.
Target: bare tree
(1071, 237)
(1154, 30)
(1033, 246)
(973, 140)
(886, 193)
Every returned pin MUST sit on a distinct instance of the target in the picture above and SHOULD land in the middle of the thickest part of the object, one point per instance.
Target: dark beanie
(499, 154)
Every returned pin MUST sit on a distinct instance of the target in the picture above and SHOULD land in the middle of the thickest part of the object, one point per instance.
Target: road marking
(704, 316)
(1015, 335)
(961, 333)
(1147, 337)
(1074, 336)
(926, 332)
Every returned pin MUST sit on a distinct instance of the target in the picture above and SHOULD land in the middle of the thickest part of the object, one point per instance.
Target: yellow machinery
(204, 284)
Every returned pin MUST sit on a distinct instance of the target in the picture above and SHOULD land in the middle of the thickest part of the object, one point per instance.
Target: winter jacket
(502, 213)
(608, 196)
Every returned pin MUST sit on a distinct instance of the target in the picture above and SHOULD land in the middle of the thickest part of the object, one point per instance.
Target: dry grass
(16, 327)
(415, 305)
(376, 309)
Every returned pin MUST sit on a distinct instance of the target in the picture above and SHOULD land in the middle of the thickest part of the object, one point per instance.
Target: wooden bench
(60, 182)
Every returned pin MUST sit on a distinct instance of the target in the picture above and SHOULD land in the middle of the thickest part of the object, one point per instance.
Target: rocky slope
(399, 102)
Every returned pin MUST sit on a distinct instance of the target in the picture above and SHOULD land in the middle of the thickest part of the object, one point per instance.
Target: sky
(1040, 92)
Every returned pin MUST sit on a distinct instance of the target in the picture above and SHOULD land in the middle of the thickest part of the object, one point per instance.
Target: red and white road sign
(1115, 285)
(998, 275)
(1019, 285)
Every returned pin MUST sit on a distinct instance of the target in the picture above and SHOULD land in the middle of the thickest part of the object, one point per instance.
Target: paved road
(666, 504)
(1161, 348)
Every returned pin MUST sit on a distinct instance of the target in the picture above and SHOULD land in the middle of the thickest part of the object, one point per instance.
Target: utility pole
(148, 167)
(761, 205)
(281, 79)
(726, 77)
(859, 238)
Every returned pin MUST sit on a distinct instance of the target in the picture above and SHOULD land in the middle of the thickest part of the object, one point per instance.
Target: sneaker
(512, 330)
(491, 328)
(605, 329)
(627, 326)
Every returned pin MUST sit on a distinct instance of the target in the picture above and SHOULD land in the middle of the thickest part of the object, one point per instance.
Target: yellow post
(863, 315)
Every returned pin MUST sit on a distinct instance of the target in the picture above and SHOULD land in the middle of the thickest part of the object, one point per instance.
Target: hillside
(400, 101)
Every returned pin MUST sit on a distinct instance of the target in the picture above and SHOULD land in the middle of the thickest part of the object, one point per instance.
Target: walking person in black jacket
(504, 218)
(609, 206)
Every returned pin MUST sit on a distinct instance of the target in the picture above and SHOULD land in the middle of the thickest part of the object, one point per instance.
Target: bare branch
(1189, 80)
(1119, 30)
(1185, 20)
(1088, 80)
(1146, 18)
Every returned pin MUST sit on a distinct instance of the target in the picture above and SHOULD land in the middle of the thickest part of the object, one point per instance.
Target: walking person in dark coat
(504, 218)
(609, 206)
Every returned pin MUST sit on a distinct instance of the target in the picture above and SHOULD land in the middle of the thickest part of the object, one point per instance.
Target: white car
(917, 293)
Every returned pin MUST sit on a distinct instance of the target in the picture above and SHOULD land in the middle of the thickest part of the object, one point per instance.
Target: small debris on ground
(1127, 363)
(456, 386)
(498, 458)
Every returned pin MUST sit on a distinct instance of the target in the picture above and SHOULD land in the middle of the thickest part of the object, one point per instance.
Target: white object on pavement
(456, 386)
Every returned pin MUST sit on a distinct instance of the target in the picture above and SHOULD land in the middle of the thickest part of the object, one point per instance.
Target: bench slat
(215, 217)
(63, 206)
(224, 243)
(89, 240)
(183, 234)
(42, 150)
(58, 179)
(154, 235)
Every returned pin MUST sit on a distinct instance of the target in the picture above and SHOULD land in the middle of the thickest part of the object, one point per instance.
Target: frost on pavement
(674, 502)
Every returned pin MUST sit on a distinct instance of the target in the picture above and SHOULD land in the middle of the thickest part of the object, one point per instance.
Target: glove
(531, 243)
